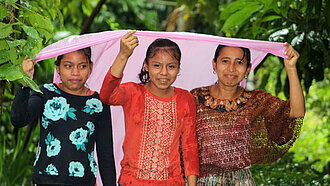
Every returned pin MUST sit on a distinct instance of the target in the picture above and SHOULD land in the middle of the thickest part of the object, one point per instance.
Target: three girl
(158, 117)
(72, 119)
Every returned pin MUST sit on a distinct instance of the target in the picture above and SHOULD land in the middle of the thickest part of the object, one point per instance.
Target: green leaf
(239, 17)
(271, 18)
(3, 12)
(30, 31)
(16, 43)
(31, 83)
(3, 45)
(10, 72)
(5, 30)
(8, 2)
(4, 56)
(13, 56)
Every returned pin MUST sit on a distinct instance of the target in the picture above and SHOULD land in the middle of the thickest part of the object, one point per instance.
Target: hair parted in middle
(246, 54)
(159, 44)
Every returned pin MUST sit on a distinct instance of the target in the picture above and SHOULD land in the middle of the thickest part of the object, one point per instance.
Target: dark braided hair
(246, 53)
(159, 44)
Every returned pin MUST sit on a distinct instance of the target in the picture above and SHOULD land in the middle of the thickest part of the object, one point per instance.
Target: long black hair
(86, 51)
(159, 44)
(246, 54)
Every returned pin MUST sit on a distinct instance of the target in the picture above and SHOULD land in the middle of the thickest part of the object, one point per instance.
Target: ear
(57, 69)
(91, 67)
(146, 68)
(247, 71)
(214, 65)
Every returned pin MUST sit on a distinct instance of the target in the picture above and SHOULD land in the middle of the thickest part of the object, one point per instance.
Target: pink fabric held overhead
(195, 71)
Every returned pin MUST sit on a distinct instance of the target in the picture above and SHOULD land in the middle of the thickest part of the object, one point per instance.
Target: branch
(91, 17)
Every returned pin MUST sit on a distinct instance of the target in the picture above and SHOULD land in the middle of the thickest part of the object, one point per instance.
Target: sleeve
(274, 131)
(280, 126)
(26, 107)
(104, 148)
(189, 140)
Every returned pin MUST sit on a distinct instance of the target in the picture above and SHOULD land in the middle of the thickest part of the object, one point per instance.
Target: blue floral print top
(70, 125)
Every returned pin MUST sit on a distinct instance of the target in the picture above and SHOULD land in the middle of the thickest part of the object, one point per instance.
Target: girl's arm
(111, 93)
(189, 142)
(297, 102)
(25, 107)
(104, 148)
(127, 45)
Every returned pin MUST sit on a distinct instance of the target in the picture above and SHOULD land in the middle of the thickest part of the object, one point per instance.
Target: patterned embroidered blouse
(70, 126)
(153, 127)
(254, 128)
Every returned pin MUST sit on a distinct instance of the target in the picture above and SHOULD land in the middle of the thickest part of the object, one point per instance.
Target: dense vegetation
(27, 26)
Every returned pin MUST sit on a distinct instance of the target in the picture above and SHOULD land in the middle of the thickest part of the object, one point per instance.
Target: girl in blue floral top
(72, 119)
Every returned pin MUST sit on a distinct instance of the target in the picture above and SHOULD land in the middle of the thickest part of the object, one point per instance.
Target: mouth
(75, 80)
(163, 80)
(230, 76)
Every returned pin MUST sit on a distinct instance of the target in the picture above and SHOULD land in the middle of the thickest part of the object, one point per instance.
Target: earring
(213, 72)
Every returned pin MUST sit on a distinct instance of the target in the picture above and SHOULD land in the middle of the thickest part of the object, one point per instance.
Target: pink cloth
(195, 71)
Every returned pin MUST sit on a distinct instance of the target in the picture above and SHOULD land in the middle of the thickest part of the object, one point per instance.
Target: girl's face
(230, 67)
(163, 69)
(74, 71)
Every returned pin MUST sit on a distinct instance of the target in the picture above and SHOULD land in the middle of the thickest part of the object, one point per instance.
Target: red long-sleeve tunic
(153, 128)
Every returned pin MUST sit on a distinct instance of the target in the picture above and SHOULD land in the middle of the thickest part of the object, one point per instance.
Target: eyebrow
(72, 62)
(235, 58)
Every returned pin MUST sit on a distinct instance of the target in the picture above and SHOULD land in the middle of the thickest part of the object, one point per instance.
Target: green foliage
(22, 33)
(288, 171)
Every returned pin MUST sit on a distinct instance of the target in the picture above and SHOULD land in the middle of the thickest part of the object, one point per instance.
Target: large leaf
(3, 12)
(3, 45)
(240, 16)
(30, 31)
(5, 30)
(27, 80)
(10, 72)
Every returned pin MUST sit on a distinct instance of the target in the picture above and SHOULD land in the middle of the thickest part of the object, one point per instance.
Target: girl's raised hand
(128, 43)
(28, 66)
(292, 56)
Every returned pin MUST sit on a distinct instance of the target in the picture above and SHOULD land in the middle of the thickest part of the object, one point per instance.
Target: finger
(128, 34)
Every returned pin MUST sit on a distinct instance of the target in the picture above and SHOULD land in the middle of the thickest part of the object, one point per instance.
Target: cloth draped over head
(197, 52)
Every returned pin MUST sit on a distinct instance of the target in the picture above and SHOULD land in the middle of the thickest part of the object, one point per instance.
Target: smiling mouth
(163, 81)
(230, 76)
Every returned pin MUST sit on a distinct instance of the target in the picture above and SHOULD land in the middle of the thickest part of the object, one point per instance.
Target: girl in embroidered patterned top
(157, 116)
(72, 119)
(236, 127)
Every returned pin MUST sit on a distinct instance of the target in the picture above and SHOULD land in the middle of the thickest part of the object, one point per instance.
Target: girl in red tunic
(158, 117)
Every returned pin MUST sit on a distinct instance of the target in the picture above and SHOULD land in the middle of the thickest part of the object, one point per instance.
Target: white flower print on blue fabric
(44, 122)
(78, 138)
(91, 127)
(58, 108)
(37, 158)
(76, 169)
(52, 87)
(51, 170)
(92, 163)
(53, 145)
(93, 105)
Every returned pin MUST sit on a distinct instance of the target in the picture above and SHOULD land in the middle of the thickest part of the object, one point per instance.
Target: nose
(232, 67)
(75, 71)
(163, 70)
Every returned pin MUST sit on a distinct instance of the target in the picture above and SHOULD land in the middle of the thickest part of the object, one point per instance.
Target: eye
(82, 66)
(225, 61)
(240, 62)
(156, 65)
(172, 66)
(67, 66)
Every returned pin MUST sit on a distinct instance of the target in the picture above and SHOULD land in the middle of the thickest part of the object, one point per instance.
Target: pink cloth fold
(195, 71)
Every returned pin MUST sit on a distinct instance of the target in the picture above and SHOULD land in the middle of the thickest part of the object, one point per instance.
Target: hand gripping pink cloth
(195, 71)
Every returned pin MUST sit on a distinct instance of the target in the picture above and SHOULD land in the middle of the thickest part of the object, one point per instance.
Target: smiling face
(230, 67)
(163, 69)
(74, 70)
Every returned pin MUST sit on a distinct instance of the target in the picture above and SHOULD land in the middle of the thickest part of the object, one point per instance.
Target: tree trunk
(91, 17)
